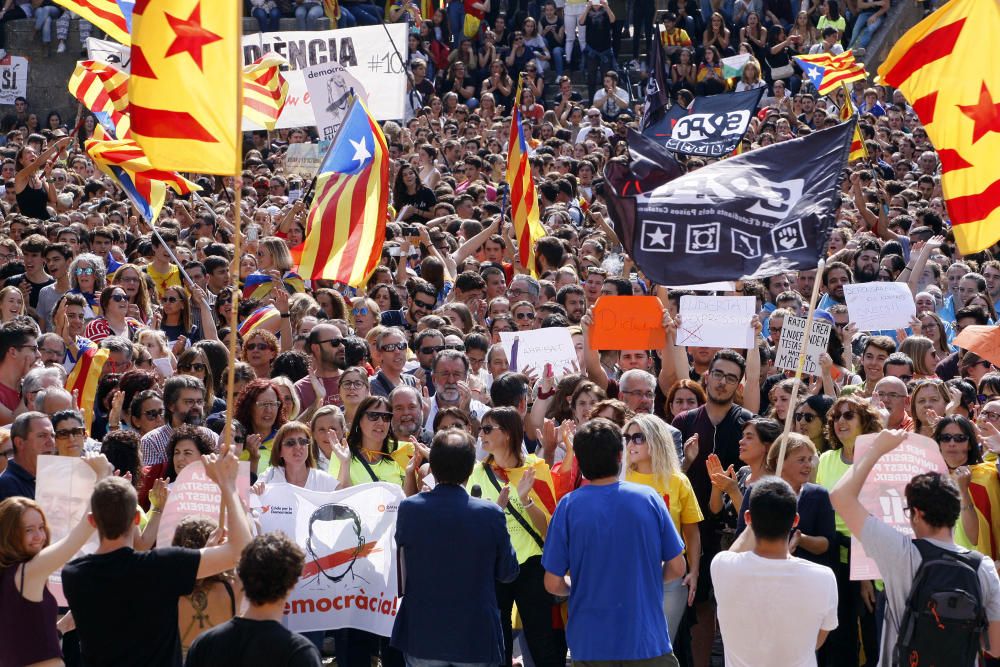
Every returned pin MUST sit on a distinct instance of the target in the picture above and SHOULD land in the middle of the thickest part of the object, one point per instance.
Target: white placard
(717, 321)
(366, 52)
(330, 86)
(793, 331)
(538, 347)
(109, 52)
(876, 306)
(13, 78)
(305, 159)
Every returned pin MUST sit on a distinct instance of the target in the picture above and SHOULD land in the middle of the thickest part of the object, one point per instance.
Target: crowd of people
(405, 380)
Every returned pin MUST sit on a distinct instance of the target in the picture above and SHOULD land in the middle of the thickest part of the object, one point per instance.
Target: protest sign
(793, 332)
(883, 492)
(537, 347)
(628, 323)
(367, 52)
(716, 321)
(984, 340)
(877, 306)
(330, 86)
(194, 494)
(109, 52)
(349, 578)
(305, 159)
(63, 488)
(13, 78)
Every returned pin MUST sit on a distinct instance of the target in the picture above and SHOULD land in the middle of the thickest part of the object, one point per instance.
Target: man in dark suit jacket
(453, 548)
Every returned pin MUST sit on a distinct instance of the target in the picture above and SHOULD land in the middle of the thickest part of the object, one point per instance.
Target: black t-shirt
(241, 642)
(598, 25)
(36, 288)
(423, 200)
(124, 604)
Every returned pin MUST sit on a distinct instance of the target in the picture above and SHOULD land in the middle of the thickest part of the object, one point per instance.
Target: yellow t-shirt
(172, 278)
(677, 494)
(388, 468)
(829, 471)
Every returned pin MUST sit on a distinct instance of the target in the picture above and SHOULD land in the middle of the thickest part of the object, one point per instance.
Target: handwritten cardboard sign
(793, 333)
(876, 306)
(537, 347)
(883, 492)
(628, 323)
(194, 494)
(716, 321)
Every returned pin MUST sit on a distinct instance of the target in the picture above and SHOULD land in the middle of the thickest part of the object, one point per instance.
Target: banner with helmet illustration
(349, 578)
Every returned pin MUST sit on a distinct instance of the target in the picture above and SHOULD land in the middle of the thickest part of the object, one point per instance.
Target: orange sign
(981, 339)
(628, 323)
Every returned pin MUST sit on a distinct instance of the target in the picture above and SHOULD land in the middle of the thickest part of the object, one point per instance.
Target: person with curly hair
(260, 409)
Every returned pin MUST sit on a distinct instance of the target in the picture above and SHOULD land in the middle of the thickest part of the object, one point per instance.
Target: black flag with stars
(749, 216)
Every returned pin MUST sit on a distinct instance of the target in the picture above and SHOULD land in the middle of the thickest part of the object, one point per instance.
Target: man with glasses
(426, 345)
(57, 260)
(898, 365)
(389, 356)
(891, 393)
(451, 375)
(524, 288)
(325, 345)
(52, 349)
(423, 300)
(18, 354)
(184, 403)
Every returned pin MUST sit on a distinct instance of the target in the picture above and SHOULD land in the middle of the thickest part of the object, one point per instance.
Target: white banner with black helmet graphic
(349, 578)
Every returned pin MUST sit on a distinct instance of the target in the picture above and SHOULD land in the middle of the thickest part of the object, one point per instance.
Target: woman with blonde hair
(920, 350)
(11, 303)
(365, 315)
(155, 342)
(653, 461)
(929, 401)
(289, 397)
(750, 77)
(328, 427)
(133, 281)
(293, 461)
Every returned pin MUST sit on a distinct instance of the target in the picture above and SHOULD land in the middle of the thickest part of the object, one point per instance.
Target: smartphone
(253, 233)
(395, 251)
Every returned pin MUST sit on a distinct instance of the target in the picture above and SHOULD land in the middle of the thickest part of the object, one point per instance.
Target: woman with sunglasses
(365, 315)
(86, 276)
(849, 417)
(810, 418)
(293, 461)
(652, 461)
(376, 454)
(259, 409)
(194, 362)
(114, 319)
(259, 350)
(522, 486)
(133, 281)
(145, 412)
(176, 319)
(956, 437)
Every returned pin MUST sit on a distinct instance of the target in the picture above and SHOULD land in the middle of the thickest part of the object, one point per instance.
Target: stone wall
(48, 71)
(903, 15)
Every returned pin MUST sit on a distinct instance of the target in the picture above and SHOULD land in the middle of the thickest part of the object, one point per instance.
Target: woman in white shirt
(292, 460)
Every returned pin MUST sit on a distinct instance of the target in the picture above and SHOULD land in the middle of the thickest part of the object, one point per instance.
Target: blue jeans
(557, 61)
(456, 22)
(863, 33)
(596, 64)
(359, 14)
(413, 661)
(267, 20)
(45, 16)
(307, 14)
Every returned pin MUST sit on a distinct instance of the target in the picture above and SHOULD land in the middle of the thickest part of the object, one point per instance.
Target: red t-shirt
(9, 397)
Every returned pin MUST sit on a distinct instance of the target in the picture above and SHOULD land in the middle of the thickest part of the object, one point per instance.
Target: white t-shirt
(317, 480)
(748, 588)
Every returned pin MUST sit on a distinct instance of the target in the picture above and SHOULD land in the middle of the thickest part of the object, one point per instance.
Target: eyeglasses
(67, 433)
(375, 416)
(392, 347)
(990, 416)
(88, 271)
(295, 442)
(638, 438)
(359, 311)
(171, 299)
(153, 414)
(257, 346)
(719, 376)
(804, 417)
(776, 330)
(458, 347)
(196, 367)
(524, 316)
(649, 395)
(33, 348)
(334, 342)
(267, 405)
(7, 257)
(982, 362)
(952, 437)
(515, 292)
(353, 384)
(889, 395)
(847, 415)
(431, 349)
(119, 298)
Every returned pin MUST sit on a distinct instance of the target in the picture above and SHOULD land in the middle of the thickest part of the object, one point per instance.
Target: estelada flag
(186, 88)
(112, 16)
(858, 151)
(828, 72)
(955, 92)
(102, 88)
(85, 376)
(264, 90)
(346, 224)
(523, 200)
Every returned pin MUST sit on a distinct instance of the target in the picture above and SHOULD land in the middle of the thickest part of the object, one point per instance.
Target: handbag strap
(368, 468)
(513, 512)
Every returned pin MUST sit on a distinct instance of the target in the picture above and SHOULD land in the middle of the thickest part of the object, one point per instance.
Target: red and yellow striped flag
(112, 16)
(858, 151)
(264, 90)
(103, 89)
(828, 72)
(346, 226)
(955, 92)
(523, 200)
(186, 89)
(85, 377)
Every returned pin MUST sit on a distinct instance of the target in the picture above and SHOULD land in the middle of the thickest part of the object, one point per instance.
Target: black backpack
(945, 619)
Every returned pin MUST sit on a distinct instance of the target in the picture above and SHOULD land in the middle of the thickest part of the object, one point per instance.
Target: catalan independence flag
(112, 16)
(258, 318)
(186, 88)
(85, 376)
(264, 90)
(346, 225)
(858, 151)
(828, 72)
(523, 200)
(956, 94)
(103, 89)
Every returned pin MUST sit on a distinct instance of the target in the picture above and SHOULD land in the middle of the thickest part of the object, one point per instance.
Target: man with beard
(866, 262)
(183, 403)
(407, 414)
(715, 427)
(427, 344)
(574, 300)
(451, 374)
(326, 347)
(835, 276)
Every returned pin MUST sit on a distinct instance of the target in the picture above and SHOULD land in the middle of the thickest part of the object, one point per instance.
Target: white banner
(366, 52)
(330, 87)
(13, 78)
(110, 52)
(716, 321)
(349, 579)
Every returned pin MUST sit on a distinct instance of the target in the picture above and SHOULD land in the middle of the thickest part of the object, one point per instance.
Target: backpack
(944, 619)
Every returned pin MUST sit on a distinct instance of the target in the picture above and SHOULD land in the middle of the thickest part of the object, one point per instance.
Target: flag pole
(800, 365)
(228, 439)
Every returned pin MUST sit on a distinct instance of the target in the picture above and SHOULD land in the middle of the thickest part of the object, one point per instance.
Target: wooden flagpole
(799, 366)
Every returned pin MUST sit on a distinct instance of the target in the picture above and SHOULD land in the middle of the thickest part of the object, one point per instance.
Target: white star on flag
(657, 237)
(361, 153)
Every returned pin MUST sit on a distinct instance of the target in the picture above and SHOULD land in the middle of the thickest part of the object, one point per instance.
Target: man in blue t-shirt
(618, 541)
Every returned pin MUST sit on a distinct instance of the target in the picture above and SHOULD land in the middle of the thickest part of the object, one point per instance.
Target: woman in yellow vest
(376, 454)
(521, 484)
